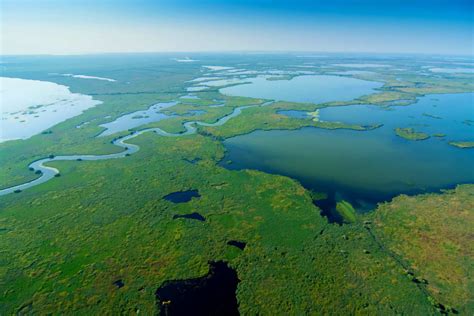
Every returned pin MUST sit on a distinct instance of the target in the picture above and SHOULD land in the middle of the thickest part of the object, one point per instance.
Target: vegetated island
(432, 116)
(346, 211)
(410, 134)
(464, 145)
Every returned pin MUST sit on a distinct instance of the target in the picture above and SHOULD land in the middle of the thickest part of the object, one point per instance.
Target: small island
(432, 116)
(346, 211)
(464, 145)
(410, 134)
(136, 117)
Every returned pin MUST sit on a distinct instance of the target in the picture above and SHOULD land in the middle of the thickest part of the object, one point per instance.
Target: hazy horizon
(247, 52)
(60, 27)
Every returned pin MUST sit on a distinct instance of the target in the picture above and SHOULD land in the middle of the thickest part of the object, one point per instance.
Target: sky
(104, 26)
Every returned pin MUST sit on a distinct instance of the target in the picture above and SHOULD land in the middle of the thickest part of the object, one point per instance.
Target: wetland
(224, 200)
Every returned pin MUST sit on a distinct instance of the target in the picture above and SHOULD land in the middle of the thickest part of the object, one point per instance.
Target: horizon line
(238, 52)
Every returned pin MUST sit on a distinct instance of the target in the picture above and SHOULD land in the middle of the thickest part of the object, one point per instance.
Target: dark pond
(119, 283)
(239, 244)
(193, 161)
(182, 196)
(193, 215)
(213, 294)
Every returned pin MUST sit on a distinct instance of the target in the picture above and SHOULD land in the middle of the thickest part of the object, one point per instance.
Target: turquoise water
(370, 166)
(449, 114)
(315, 89)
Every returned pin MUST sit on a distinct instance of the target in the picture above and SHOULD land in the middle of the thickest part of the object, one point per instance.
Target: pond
(308, 88)
(194, 215)
(370, 166)
(212, 294)
(182, 196)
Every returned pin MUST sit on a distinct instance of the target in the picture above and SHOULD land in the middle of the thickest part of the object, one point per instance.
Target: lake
(308, 88)
(29, 107)
(369, 166)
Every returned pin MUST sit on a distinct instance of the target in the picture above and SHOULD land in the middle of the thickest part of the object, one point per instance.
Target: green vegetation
(346, 211)
(66, 256)
(410, 134)
(439, 135)
(66, 242)
(267, 118)
(432, 233)
(466, 144)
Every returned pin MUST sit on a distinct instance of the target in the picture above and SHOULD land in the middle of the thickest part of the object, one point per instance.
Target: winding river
(47, 173)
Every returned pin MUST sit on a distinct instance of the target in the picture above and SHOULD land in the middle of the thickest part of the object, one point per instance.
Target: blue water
(135, 119)
(366, 167)
(443, 113)
(182, 196)
(315, 89)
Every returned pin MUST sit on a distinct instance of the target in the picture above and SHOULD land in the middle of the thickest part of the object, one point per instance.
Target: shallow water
(353, 72)
(453, 70)
(29, 107)
(134, 119)
(223, 82)
(371, 166)
(311, 88)
(194, 89)
(89, 77)
(190, 96)
(362, 65)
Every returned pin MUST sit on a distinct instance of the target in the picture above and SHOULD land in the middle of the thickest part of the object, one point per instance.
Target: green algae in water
(346, 211)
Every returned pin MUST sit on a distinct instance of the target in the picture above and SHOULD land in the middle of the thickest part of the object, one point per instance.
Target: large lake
(370, 166)
(29, 107)
(310, 88)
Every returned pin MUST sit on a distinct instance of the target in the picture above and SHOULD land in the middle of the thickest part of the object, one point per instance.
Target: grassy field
(54, 262)
(432, 233)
